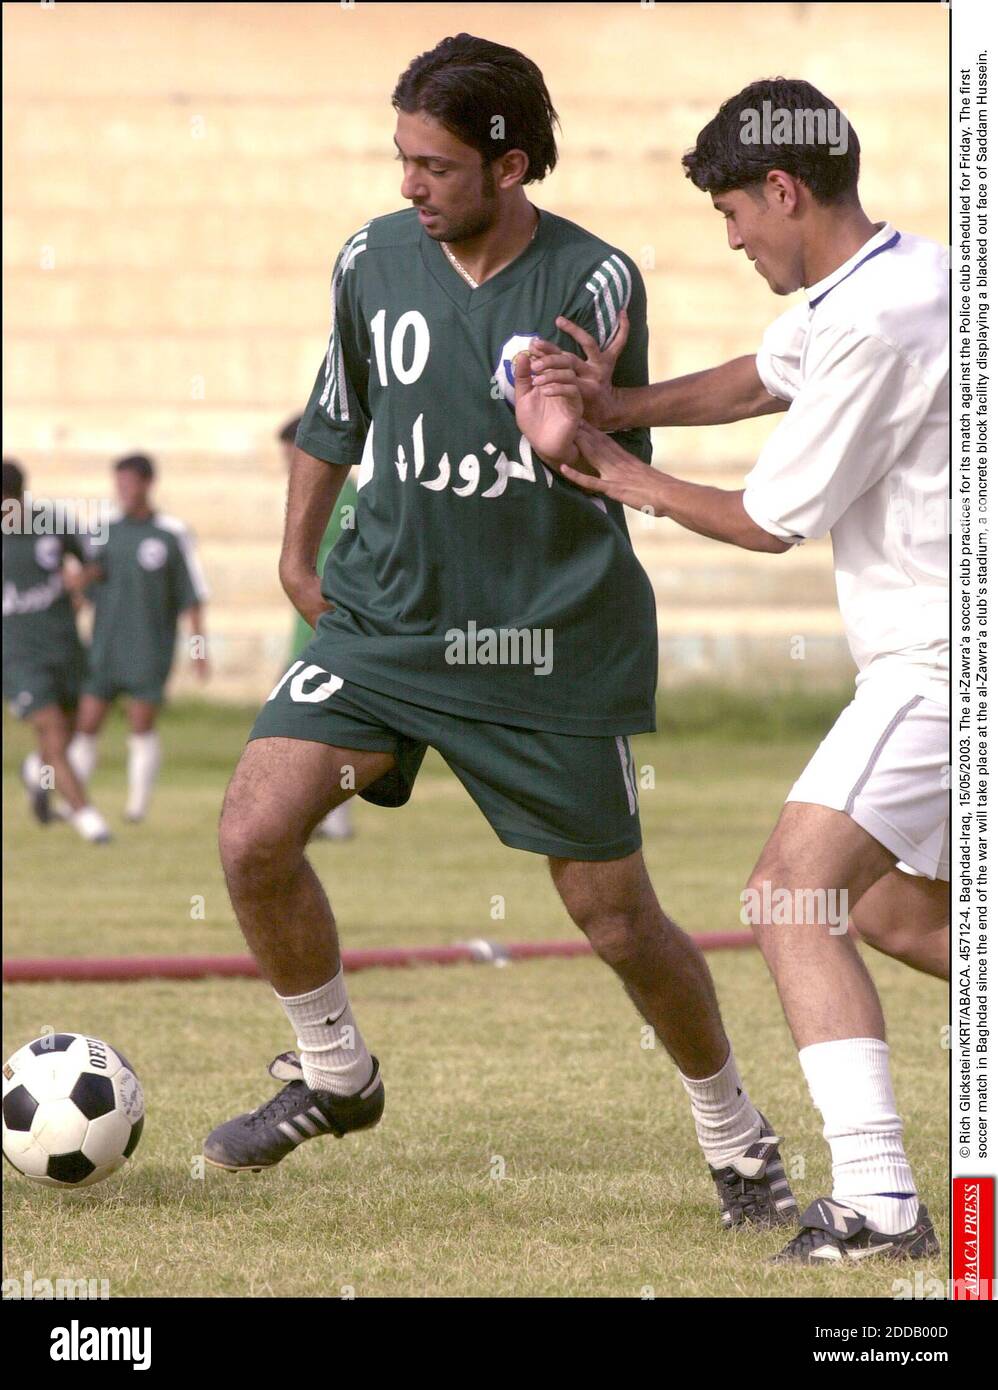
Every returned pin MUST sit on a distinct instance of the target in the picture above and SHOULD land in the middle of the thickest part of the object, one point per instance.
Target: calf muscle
(279, 792)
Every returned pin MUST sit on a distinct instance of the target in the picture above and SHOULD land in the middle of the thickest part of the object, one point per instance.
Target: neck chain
(464, 274)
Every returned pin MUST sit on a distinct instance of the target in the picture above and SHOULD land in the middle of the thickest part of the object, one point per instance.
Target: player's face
(132, 491)
(759, 226)
(444, 179)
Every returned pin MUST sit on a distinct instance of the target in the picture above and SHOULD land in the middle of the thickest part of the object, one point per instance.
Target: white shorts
(885, 762)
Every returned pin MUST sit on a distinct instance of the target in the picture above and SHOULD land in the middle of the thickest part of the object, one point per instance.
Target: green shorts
(565, 795)
(30, 686)
(104, 685)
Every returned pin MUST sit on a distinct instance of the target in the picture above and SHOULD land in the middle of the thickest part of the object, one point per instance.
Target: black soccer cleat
(264, 1136)
(832, 1233)
(753, 1188)
(38, 797)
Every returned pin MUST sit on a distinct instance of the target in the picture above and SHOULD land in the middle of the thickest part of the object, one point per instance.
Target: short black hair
(141, 464)
(467, 83)
(289, 430)
(726, 157)
(13, 480)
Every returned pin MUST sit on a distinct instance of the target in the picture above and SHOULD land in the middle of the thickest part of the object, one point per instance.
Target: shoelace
(742, 1192)
(286, 1102)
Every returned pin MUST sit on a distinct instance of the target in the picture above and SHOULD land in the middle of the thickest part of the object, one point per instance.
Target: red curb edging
(27, 969)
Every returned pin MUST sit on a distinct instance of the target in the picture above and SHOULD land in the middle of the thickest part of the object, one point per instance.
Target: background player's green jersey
(39, 622)
(342, 519)
(476, 580)
(150, 576)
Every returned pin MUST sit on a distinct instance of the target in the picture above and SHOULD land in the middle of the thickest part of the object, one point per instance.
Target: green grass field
(530, 1146)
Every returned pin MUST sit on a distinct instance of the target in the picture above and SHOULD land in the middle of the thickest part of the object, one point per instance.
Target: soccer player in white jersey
(860, 365)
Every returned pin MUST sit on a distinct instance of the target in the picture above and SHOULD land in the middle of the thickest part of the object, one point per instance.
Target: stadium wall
(178, 178)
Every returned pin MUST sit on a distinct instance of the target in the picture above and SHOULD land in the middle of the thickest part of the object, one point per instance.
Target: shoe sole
(892, 1254)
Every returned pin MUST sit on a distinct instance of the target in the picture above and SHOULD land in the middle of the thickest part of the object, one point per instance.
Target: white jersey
(863, 451)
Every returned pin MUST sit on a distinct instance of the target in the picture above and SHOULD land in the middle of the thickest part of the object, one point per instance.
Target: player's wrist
(612, 411)
(569, 456)
(295, 575)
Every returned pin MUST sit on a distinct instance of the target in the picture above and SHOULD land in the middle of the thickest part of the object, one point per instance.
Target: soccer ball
(503, 375)
(72, 1110)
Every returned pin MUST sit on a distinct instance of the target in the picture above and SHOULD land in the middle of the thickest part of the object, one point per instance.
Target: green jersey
(39, 622)
(342, 519)
(477, 581)
(150, 576)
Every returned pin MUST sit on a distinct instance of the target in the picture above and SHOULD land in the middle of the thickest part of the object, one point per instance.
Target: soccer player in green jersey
(149, 577)
(481, 606)
(338, 825)
(43, 657)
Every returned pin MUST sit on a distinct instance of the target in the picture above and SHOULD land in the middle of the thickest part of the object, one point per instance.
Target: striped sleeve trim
(610, 286)
(335, 397)
(187, 549)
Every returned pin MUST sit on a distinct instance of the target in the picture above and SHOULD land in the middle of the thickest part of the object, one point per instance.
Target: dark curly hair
(465, 83)
(725, 158)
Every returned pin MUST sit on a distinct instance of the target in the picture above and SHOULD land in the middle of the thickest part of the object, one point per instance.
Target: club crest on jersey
(503, 375)
(151, 553)
(48, 552)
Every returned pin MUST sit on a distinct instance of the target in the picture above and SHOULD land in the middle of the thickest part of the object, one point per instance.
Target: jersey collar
(468, 299)
(882, 240)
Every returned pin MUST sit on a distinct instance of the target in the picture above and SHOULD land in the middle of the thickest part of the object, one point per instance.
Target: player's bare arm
(313, 487)
(710, 511)
(198, 640)
(77, 578)
(716, 396)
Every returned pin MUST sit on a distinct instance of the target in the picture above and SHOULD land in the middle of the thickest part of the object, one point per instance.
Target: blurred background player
(338, 825)
(44, 661)
(148, 576)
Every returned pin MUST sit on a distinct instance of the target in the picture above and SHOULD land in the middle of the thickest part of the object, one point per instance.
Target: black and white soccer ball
(72, 1110)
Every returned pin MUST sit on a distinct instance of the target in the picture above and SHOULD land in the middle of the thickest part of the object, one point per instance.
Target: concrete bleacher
(178, 178)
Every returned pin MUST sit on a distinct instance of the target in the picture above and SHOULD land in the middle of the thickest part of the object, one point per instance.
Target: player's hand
(616, 473)
(305, 592)
(548, 415)
(202, 668)
(593, 373)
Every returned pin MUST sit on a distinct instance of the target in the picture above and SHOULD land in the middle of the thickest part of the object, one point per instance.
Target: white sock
(334, 1056)
(726, 1120)
(143, 765)
(337, 825)
(90, 824)
(32, 769)
(82, 755)
(850, 1083)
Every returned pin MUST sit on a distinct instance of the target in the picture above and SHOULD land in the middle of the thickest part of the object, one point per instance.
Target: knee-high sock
(82, 755)
(334, 1056)
(726, 1120)
(143, 765)
(850, 1084)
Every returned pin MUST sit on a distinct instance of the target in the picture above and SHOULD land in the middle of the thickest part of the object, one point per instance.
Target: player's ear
(511, 168)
